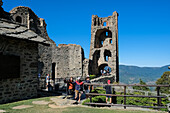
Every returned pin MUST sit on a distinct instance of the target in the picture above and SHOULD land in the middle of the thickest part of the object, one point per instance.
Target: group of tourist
(77, 87)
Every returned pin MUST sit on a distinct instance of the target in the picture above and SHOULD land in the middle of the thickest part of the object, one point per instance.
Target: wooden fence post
(90, 99)
(124, 97)
(158, 94)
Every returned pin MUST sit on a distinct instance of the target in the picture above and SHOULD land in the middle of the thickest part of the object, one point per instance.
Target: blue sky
(144, 25)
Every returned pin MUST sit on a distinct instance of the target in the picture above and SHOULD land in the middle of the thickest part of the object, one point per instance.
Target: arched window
(104, 24)
(19, 19)
(100, 37)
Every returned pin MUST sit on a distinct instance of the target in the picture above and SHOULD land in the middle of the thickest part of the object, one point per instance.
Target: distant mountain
(132, 74)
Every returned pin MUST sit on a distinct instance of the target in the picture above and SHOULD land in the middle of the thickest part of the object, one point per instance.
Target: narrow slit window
(107, 34)
(102, 43)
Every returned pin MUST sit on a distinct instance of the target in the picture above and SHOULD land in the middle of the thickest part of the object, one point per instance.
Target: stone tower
(104, 45)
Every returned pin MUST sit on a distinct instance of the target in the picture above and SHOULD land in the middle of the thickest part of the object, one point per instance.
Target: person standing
(78, 89)
(47, 80)
(108, 91)
(87, 88)
(70, 85)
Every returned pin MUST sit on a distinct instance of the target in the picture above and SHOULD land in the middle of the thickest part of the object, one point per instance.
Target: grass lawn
(46, 109)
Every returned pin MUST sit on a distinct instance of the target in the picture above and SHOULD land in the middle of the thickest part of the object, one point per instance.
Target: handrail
(125, 95)
(159, 105)
(126, 85)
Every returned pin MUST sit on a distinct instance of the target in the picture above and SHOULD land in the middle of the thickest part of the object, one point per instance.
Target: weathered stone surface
(104, 45)
(62, 102)
(41, 102)
(104, 79)
(68, 59)
(22, 107)
(17, 88)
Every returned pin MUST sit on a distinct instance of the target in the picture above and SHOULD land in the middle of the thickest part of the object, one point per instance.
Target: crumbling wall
(69, 60)
(85, 67)
(104, 44)
(25, 16)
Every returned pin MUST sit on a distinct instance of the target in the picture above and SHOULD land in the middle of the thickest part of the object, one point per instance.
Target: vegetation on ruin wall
(129, 100)
(92, 76)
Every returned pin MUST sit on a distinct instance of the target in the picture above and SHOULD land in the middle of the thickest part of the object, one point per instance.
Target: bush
(92, 76)
(99, 90)
(96, 99)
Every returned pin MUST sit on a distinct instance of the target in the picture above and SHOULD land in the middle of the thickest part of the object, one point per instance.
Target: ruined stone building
(26, 51)
(104, 45)
(18, 58)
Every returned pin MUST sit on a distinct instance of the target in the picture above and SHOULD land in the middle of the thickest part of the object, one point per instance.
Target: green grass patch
(9, 106)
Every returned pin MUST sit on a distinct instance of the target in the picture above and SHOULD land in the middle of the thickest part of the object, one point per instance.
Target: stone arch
(18, 19)
(101, 67)
(100, 36)
(96, 57)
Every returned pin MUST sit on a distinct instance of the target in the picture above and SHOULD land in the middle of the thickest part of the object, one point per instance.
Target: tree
(164, 80)
(141, 87)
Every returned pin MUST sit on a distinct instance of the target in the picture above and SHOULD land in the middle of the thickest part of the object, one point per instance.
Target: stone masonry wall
(44, 63)
(26, 85)
(104, 44)
(85, 67)
(69, 60)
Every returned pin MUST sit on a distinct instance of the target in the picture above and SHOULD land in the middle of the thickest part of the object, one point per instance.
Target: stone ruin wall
(104, 42)
(26, 85)
(69, 60)
(25, 16)
(85, 67)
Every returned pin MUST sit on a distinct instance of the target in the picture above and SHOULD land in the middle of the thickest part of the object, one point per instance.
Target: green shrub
(92, 76)
(99, 90)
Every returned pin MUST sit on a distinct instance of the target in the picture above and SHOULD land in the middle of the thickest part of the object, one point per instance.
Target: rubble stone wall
(104, 45)
(26, 85)
(69, 60)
